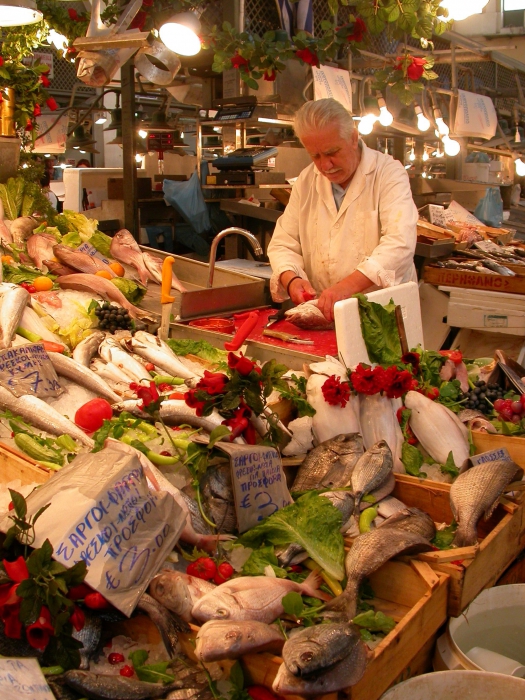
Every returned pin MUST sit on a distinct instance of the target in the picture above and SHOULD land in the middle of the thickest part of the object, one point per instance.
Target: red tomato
(180, 395)
(92, 414)
(96, 601)
(203, 567)
(149, 366)
(115, 658)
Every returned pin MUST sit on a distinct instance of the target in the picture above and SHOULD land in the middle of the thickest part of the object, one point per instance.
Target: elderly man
(350, 225)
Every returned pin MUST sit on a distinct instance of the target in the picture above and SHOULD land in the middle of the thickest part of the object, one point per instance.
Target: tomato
(223, 573)
(149, 366)
(177, 395)
(31, 289)
(117, 268)
(92, 414)
(116, 658)
(203, 567)
(127, 671)
(42, 284)
(96, 601)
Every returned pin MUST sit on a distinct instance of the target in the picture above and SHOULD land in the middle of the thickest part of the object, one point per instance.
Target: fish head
(216, 606)
(345, 443)
(300, 657)
(172, 592)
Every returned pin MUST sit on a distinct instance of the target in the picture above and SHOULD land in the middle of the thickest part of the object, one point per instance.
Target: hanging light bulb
(442, 127)
(180, 34)
(452, 148)
(439, 152)
(59, 41)
(520, 167)
(461, 10)
(100, 117)
(142, 133)
(412, 154)
(385, 117)
(422, 122)
(138, 158)
(517, 135)
(425, 155)
(366, 124)
(15, 13)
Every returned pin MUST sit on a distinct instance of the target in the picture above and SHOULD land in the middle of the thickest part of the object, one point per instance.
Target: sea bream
(179, 592)
(125, 249)
(309, 317)
(371, 470)
(78, 260)
(330, 464)
(224, 639)
(40, 248)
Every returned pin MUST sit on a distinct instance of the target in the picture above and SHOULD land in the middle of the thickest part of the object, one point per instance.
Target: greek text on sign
(27, 369)
(259, 483)
(23, 678)
(91, 250)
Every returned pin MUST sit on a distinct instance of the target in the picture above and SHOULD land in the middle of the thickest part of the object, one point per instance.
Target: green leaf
(39, 513)
(379, 330)
(217, 433)
(412, 459)
(76, 574)
(19, 503)
(29, 610)
(450, 390)
(237, 676)
(231, 401)
(443, 538)
(27, 588)
(375, 621)
(138, 657)
(293, 604)
(250, 82)
(153, 673)
(63, 651)
(375, 24)
(259, 559)
(449, 467)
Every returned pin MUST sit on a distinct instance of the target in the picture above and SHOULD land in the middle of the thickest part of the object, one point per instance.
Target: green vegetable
(166, 379)
(430, 363)
(35, 450)
(313, 522)
(375, 621)
(12, 194)
(72, 239)
(132, 290)
(449, 467)
(67, 442)
(20, 273)
(150, 673)
(301, 608)
(81, 224)
(450, 390)
(101, 242)
(297, 395)
(28, 335)
(412, 460)
(51, 670)
(443, 538)
(379, 329)
(366, 518)
(201, 348)
(259, 559)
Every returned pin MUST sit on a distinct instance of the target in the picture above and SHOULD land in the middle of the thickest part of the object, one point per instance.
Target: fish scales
(476, 491)
(316, 648)
(412, 520)
(93, 685)
(224, 639)
(330, 464)
(371, 470)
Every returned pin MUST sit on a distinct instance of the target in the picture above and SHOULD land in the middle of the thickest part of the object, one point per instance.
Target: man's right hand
(301, 291)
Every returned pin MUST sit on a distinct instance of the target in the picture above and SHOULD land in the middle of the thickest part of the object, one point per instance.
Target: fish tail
(346, 603)
(466, 535)
(310, 586)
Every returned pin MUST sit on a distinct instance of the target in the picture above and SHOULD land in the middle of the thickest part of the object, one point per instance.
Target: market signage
(27, 369)
(23, 678)
(475, 116)
(332, 82)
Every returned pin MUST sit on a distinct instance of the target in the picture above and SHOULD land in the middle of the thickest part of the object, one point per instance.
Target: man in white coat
(350, 225)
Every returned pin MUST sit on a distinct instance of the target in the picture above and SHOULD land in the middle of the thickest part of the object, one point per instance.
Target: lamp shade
(116, 119)
(15, 13)
(158, 122)
(180, 34)
(79, 141)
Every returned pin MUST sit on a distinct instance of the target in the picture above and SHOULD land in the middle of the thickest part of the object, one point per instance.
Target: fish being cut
(309, 317)
(40, 247)
(179, 592)
(104, 288)
(371, 470)
(70, 368)
(125, 249)
(83, 262)
(476, 492)
(154, 266)
(13, 302)
(378, 421)
(330, 464)
(224, 639)
(314, 649)
(329, 420)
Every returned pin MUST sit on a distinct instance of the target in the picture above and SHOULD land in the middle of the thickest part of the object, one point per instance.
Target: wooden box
(474, 280)
(16, 465)
(471, 569)
(515, 446)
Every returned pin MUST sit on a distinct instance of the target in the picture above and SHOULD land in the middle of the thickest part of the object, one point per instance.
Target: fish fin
(310, 586)
(454, 510)
(465, 536)
(344, 604)
(491, 509)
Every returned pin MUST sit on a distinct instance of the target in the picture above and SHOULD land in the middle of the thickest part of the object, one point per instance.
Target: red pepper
(203, 567)
(176, 395)
(96, 601)
(296, 568)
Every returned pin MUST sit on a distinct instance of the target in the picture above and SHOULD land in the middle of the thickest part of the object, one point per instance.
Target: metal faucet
(257, 250)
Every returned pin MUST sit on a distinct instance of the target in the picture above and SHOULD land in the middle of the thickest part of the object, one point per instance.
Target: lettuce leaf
(132, 290)
(314, 523)
(379, 330)
(412, 460)
(72, 239)
(375, 621)
(101, 242)
(12, 194)
(81, 224)
(201, 348)
(259, 560)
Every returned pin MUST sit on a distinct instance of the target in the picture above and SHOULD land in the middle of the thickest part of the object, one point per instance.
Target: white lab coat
(374, 231)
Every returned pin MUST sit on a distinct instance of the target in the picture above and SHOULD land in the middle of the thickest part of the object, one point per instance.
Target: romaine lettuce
(132, 290)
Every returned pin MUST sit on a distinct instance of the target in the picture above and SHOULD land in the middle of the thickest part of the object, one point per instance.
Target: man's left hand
(354, 283)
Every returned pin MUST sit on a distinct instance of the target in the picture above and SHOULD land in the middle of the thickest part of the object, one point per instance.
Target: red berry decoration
(127, 671)
(115, 658)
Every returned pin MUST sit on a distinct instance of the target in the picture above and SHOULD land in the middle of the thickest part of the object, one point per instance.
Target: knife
(279, 314)
(287, 337)
(166, 300)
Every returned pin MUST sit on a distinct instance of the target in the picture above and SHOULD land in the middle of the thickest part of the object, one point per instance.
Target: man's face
(335, 157)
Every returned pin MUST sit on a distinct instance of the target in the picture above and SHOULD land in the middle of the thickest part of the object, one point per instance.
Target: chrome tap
(257, 250)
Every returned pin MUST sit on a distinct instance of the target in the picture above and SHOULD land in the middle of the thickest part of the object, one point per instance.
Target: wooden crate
(471, 569)
(474, 280)
(515, 446)
(16, 465)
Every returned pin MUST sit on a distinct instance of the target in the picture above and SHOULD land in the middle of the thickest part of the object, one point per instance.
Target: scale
(260, 157)
(235, 112)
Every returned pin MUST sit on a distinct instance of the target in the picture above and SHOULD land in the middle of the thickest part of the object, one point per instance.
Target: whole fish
(83, 262)
(371, 470)
(102, 287)
(224, 639)
(21, 229)
(367, 554)
(89, 635)
(341, 675)
(344, 501)
(330, 464)
(13, 302)
(438, 429)
(70, 368)
(40, 247)
(154, 266)
(176, 412)
(58, 268)
(309, 317)
(328, 420)
(468, 414)
(111, 351)
(109, 371)
(217, 493)
(166, 360)
(291, 553)
(477, 491)
(383, 491)
(179, 592)
(125, 249)
(412, 520)
(388, 506)
(166, 622)
(252, 598)
(60, 690)
(377, 417)
(107, 687)
(500, 269)
(43, 416)
(316, 648)
(86, 350)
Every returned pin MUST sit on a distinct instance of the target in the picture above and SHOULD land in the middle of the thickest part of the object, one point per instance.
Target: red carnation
(239, 61)
(270, 75)
(28, 126)
(73, 15)
(213, 382)
(307, 56)
(149, 395)
(1, 61)
(397, 382)
(77, 619)
(411, 358)
(366, 380)
(37, 111)
(358, 32)
(336, 392)
(242, 364)
(39, 632)
(51, 103)
(45, 80)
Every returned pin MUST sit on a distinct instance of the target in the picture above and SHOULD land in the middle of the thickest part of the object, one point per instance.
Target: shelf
(250, 210)
(275, 185)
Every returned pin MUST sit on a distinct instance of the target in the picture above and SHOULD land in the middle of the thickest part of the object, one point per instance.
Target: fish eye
(306, 656)
(221, 612)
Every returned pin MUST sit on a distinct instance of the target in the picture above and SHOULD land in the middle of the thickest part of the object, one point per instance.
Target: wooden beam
(131, 211)
(126, 40)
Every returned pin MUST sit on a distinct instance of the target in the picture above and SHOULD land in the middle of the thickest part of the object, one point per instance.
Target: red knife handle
(243, 332)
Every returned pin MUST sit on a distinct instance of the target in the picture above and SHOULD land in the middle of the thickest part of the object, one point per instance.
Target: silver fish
(125, 249)
(105, 288)
(341, 675)
(83, 262)
(6, 237)
(88, 348)
(40, 247)
(89, 635)
(368, 552)
(389, 505)
(476, 492)
(70, 368)
(197, 521)
(13, 302)
(344, 502)
(154, 266)
(224, 639)
(111, 351)
(165, 621)
(330, 464)
(309, 317)
(176, 412)
(316, 648)
(412, 520)
(371, 470)
(382, 491)
(109, 371)
(252, 598)
(179, 592)
(288, 555)
(43, 416)
(217, 493)
(107, 687)
(499, 269)
(167, 361)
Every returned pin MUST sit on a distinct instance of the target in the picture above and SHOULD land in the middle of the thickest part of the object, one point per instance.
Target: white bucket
(494, 621)
(458, 685)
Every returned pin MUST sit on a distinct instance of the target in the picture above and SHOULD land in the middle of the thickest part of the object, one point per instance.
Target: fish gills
(314, 649)
(371, 470)
(475, 492)
(331, 461)
(178, 592)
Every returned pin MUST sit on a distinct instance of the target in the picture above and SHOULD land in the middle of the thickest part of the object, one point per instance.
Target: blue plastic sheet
(490, 208)
(187, 198)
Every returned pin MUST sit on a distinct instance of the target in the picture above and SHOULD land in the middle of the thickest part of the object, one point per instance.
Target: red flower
(1, 61)
(45, 80)
(359, 30)
(397, 382)
(240, 424)
(37, 111)
(16, 570)
(366, 380)
(139, 20)
(73, 15)
(239, 61)
(269, 75)
(193, 402)
(335, 392)
(149, 395)
(411, 358)
(416, 68)
(9, 601)
(242, 364)
(39, 632)
(51, 103)
(307, 56)
(213, 382)
(77, 619)
(28, 126)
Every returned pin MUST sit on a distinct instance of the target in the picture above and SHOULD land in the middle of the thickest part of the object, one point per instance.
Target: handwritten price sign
(22, 678)
(27, 369)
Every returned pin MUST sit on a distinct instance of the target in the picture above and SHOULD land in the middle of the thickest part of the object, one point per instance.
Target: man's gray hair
(321, 114)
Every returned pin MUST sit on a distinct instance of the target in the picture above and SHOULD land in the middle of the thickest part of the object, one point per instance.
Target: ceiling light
(422, 122)
(100, 117)
(452, 148)
(439, 153)
(366, 124)
(180, 34)
(385, 117)
(425, 155)
(412, 154)
(79, 140)
(59, 41)
(461, 10)
(61, 163)
(442, 127)
(15, 13)
(520, 167)
(138, 158)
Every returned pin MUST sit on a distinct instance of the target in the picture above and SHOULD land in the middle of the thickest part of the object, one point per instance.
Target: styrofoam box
(495, 166)
(483, 172)
(470, 171)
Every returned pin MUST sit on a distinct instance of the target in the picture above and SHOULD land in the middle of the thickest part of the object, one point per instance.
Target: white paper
(27, 369)
(55, 140)
(460, 215)
(22, 678)
(498, 454)
(332, 82)
(475, 116)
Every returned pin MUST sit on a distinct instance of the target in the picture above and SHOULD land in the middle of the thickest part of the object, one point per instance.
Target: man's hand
(354, 283)
(301, 291)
